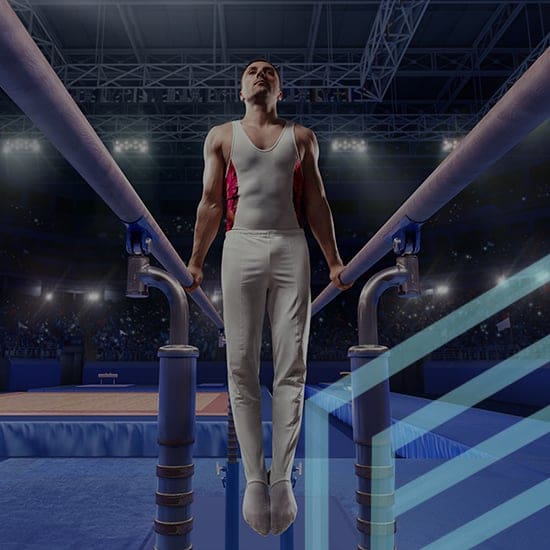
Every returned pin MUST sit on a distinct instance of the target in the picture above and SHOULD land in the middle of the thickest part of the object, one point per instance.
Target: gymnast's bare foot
(283, 506)
(256, 507)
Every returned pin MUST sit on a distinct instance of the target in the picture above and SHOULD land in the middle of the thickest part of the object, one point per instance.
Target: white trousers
(259, 268)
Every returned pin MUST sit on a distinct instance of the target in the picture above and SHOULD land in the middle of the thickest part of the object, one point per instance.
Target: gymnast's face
(260, 82)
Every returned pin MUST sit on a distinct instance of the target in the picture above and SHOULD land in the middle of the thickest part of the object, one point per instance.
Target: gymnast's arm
(317, 208)
(210, 209)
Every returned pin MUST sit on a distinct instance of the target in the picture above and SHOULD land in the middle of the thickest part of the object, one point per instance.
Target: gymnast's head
(260, 81)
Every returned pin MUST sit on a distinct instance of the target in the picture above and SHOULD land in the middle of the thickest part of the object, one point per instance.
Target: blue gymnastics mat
(108, 503)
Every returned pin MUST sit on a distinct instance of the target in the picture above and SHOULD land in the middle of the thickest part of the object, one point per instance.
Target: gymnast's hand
(196, 272)
(335, 271)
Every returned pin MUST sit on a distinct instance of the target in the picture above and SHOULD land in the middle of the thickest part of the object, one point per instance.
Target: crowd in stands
(179, 225)
(133, 330)
(498, 336)
(470, 233)
(29, 329)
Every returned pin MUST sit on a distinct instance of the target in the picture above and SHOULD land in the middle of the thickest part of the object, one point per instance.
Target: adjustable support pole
(177, 393)
(375, 467)
(374, 461)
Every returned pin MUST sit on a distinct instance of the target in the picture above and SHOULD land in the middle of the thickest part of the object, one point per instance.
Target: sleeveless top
(264, 187)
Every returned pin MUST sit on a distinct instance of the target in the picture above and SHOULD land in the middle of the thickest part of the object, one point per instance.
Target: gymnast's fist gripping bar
(29, 80)
(524, 107)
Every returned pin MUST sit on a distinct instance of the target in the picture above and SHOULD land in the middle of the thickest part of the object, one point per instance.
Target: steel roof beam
(313, 30)
(496, 26)
(390, 36)
(45, 38)
(223, 32)
(132, 31)
(193, 128)
(295, 76)
(523, 67)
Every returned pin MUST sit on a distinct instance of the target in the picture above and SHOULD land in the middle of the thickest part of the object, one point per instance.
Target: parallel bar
(524, 107)
(30, 81)
(540, 47)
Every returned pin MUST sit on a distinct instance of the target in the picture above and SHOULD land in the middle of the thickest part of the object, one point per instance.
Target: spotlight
(93, 297)
(21, 145)
(450, 144)
(49, 296)
(442, 289)
(131, 146)
(349, 145)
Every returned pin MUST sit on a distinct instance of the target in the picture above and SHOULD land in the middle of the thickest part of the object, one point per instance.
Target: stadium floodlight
(21, 145)
(216, 296)
(93, 297)
(349, 145)
(131, 146)
(450, 144)
(442, 289)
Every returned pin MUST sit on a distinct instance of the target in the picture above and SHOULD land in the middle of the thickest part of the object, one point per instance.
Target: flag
(504, 324)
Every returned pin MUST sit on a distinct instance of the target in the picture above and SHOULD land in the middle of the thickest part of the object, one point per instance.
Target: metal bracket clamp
(138, 240)
(410, 287)
(135, 287)
(219, 472)
(407, 239)
(296, 469)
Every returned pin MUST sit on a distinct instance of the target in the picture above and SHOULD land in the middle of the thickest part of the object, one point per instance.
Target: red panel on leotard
(298, 193)
(232, 196)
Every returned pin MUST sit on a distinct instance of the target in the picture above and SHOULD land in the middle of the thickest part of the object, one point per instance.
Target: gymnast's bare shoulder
(305, 139)
(219, 138)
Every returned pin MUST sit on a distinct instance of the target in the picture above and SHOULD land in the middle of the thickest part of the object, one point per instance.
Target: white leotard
(264, 187)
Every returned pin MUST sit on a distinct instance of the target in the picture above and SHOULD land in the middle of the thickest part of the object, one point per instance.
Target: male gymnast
(264, 170)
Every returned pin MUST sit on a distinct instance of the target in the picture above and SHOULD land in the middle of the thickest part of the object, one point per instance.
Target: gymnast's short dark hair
(265, 61)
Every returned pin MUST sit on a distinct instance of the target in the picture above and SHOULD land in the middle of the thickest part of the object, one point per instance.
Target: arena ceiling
(391, 71)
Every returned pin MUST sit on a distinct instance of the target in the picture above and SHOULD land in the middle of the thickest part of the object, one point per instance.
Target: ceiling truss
(311, 76)
(393, 29)
(193, 128)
